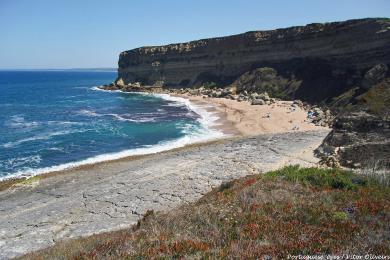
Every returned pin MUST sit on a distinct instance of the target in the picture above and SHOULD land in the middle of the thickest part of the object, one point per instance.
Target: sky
(50, 34)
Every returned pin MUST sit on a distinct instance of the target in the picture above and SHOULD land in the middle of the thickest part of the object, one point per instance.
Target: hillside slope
(305, 211)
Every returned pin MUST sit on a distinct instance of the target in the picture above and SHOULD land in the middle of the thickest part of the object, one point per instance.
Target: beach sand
(242, 118)
(113, 195)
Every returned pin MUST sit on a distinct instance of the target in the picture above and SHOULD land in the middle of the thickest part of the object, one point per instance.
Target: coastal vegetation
(292, 211)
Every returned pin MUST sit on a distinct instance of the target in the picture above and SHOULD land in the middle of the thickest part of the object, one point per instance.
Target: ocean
(54, 120)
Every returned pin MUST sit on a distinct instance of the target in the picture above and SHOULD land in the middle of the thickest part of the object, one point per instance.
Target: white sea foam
(97, 88)
(45, 136)
(206, 132)
(20, 161)
(207, 119)
(55, 149)
(116, 116)
(18, 121)
(160, 147)
(86, 112)
(66, 123)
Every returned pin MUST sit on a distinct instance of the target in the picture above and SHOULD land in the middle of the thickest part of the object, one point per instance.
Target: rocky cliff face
(326, 59)
(342, 65)
(361, 131)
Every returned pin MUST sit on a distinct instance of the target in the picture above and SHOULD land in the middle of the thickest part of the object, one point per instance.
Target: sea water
(53, 120)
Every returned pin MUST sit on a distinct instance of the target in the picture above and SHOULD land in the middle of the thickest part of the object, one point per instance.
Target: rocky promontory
(317, 61)
(339, 66)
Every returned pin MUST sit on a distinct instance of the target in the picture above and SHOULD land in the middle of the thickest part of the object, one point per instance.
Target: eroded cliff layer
(343, 65)
(327, 58)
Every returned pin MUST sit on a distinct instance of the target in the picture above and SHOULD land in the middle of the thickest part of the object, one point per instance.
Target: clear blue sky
(91, 33)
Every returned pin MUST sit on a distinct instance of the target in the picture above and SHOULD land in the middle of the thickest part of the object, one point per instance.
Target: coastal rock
(298, 103)
(120, 83)
(264, 96)
(258, 102)
(111, 86)
(317, 116)
(133, 87)
(335, 69)
(361, 132)
(261, 81)
(87, 200)
(311, 63)
(330, 161)
(359, 138)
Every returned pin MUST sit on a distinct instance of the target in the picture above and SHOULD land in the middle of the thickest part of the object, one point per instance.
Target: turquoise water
(52, 120)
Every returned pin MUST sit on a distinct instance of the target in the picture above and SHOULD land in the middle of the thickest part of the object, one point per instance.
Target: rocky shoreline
(340, 66)
(37, 213)
(316, 114)
(359, 117)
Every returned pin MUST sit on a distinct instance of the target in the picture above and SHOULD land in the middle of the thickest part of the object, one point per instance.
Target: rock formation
(342, 66)
(361, 131)
(321, 60)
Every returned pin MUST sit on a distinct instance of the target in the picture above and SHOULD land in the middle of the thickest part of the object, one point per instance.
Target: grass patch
(29, 181)
(6, 184)
(290, 211)
(324, 178)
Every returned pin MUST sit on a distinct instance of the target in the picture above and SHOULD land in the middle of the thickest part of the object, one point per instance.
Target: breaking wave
(192, 134)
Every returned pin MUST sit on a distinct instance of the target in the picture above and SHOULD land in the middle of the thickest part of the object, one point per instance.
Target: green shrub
(340, 216)
(332, 178)
(210, 85)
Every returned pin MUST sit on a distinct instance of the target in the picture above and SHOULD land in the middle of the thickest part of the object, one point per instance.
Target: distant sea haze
(53, 120)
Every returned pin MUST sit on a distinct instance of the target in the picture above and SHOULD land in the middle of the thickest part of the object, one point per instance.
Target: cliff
(327, 58)
(341, 65)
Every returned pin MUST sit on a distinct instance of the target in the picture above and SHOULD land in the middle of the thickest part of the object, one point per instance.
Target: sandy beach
(242, 118)
(113, 195)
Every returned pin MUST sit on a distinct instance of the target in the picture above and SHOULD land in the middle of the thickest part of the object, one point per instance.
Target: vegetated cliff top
(382, 24)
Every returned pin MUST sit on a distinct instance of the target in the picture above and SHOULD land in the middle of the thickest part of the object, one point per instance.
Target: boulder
(258, 102)
(111, 86)
(218, 94)
(298, 103)
(330, 161)
(225, 92)
(264, 96)
(233, 90)
(120, 82)
(254, 95)
(193, 92)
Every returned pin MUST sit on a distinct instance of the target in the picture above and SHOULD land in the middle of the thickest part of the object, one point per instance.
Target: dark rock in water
(111, 86)
(133, 87)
